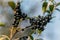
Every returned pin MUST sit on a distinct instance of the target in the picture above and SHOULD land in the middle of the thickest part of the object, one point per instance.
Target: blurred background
(32, 8)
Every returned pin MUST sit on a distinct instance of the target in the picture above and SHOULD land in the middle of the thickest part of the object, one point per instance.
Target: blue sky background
(33, 8)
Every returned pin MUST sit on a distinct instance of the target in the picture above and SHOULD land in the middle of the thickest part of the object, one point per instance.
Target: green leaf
(48, 11)
(57, 4)
(57, 9)
(44, 6)
(2, 24)
(31, 37)
(51, 0)
(51, 8)
(11, 4)
(39, 31)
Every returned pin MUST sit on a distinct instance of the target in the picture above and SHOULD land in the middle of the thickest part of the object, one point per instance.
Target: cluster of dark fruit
(40, 22)
(18, 15)
(23, 38)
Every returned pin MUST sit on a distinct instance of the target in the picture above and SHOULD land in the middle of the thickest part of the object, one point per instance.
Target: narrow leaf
(2, 24)
(39, 31)
(44, 6)
(58, 4)
(48, 11)
(11, 4)
(31, 37)
(57, 9)
(51, 8)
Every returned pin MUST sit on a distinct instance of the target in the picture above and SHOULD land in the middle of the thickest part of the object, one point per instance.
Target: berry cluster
(18, 15)
(23, 38)
(37, 23)
(40, 22)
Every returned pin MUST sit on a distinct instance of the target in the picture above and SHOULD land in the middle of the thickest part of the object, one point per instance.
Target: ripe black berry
(22, 29)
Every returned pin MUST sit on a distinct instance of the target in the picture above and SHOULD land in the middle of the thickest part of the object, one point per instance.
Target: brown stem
(12, 32)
